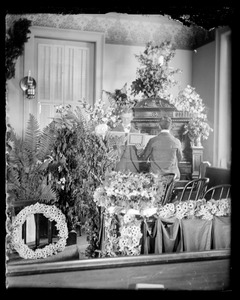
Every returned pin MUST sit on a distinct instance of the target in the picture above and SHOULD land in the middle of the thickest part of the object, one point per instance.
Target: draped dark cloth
(165, 236)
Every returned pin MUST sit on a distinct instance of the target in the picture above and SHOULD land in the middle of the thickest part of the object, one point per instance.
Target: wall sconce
(28, 85)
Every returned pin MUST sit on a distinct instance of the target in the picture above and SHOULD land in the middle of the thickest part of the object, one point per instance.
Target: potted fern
(27, 163)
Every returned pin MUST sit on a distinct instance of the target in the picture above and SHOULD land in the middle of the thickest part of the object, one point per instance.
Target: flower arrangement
(154, 76)
(200, 208)
(189, 100)
(197, 128)
(137, 191)
(130, 235)
(98, 114)
(208, 209)
(127, 197)
(52, 213)
(122, 234)
(121, 100)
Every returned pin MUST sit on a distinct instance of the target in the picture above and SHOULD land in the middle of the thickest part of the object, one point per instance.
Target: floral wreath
(52, 213)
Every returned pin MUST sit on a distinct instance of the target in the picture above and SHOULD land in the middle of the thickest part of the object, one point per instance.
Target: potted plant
(82, 153)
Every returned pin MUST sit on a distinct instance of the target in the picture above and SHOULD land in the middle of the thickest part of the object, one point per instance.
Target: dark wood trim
(24, 232)
(23, 203)
(15, 269)
(50, 231)
(37, 221)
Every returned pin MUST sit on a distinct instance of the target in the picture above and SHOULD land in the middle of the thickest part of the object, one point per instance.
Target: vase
(195, 141)
(198, 141)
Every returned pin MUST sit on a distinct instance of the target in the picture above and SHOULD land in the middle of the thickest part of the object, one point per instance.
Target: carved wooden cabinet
(147, 114)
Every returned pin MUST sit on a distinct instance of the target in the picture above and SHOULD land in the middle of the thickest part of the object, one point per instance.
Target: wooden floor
(203, 271)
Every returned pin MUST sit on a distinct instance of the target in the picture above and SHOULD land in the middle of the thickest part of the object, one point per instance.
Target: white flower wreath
(52, 213)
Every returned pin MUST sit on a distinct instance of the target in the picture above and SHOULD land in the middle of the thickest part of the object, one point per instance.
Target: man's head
(165, 123)
(127, 117)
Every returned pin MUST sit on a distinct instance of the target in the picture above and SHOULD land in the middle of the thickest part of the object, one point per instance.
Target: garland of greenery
(53, 214)
(15, 38)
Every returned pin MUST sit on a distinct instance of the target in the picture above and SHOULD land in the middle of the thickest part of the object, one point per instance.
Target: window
(222, 138)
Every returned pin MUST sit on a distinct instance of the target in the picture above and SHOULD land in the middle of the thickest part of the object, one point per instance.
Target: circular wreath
(52, 213)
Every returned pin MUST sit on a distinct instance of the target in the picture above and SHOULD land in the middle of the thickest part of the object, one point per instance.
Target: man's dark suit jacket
(164, 152)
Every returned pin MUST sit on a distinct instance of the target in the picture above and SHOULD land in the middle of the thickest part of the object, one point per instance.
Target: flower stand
(197, 158)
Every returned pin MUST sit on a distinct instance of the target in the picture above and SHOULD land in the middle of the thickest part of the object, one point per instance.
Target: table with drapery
(203, 227)
(134, 221)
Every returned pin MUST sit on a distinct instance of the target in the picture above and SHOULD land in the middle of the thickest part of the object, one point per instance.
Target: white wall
(183, 61)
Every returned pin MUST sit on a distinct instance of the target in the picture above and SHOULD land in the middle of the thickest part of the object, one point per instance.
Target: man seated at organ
(164, 150)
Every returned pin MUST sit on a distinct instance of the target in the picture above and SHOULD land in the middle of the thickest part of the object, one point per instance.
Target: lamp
(28, 85)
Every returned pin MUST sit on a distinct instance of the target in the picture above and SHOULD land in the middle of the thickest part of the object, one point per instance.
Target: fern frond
(111, 98)
(47, 195)
(32, 136)
(14, 150)
(82, 118)
(46, 142)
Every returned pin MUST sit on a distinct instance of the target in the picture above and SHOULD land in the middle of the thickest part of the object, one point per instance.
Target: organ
(147, 114)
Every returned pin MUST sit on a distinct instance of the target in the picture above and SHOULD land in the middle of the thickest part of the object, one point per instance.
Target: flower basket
(221, 233)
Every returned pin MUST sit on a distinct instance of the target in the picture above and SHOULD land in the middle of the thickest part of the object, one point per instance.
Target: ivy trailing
(15, 38)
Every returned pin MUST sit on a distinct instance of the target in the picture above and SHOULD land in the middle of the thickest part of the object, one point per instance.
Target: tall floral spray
(155, 77)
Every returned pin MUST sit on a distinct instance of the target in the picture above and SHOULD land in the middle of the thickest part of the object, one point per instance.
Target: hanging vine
(15, 38)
